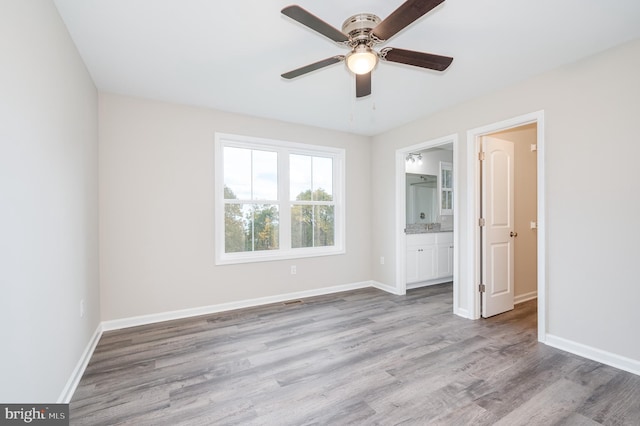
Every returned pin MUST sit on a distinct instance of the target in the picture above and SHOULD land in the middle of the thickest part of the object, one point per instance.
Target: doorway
(451, 142)
(476, 255)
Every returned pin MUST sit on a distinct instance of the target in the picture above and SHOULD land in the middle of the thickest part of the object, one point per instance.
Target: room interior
(107, 163)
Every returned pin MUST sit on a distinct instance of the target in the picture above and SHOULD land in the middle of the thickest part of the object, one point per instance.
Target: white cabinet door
(413, 263)
(427, 262)
(445, 260)
(421, 263)
(421, 257)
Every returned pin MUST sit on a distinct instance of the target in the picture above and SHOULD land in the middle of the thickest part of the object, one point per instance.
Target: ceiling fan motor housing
(358, 28)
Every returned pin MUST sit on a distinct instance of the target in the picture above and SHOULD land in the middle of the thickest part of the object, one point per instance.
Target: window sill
(265, 256)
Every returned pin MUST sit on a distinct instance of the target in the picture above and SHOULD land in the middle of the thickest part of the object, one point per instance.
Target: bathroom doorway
(419, 170)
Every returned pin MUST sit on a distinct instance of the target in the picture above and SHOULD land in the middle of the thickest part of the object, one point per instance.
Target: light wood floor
(360, 357)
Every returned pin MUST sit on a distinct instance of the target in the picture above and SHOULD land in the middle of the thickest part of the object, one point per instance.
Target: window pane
(312, 226)
(265, 175)
(447, 181)
(323, 229)
(447, 200)
(300, 177)
(237, 173)
(266, 227)
(250, 174)
(237, 226)
(251, 227)
(301, 226)
(322, 179)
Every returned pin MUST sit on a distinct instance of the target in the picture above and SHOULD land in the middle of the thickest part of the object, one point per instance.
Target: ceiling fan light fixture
(362, 60)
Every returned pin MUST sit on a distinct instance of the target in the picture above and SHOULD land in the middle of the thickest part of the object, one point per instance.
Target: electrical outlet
(81, 308)
(293, 270)
(382, 260)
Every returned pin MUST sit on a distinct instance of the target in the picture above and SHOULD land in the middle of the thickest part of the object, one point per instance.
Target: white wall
(48, 203)
(592, 150)
(431, 159)
(157, 211)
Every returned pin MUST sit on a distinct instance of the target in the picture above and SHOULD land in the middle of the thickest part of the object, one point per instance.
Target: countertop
(424, 228)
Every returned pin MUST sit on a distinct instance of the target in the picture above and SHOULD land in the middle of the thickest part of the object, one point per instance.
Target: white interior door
(498, 230)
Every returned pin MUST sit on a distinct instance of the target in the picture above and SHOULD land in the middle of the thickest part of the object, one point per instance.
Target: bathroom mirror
(422, 198)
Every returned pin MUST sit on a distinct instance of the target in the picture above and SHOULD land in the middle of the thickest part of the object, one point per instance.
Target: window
(277, 200)
(445, 184)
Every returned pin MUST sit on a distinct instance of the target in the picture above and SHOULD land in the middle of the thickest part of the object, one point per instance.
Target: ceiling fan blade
(305, 18)
(363, 85)
(400, 18)
(417, 59)
(312, 67)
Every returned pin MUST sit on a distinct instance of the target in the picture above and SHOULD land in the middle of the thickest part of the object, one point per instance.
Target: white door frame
(401, 213)
(473, 203)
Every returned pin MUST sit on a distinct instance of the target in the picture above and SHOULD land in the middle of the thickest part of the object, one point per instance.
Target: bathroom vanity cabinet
(429, 258)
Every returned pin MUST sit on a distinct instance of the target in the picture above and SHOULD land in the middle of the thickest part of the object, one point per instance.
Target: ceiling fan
(360, 33)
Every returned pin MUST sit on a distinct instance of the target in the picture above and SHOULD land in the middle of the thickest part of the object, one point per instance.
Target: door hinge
(481, 156)
(482, 288)
(481, 221)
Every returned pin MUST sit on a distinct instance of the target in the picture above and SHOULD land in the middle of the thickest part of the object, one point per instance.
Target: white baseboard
(525, 297)
(608, 358)
(427, 283)
(464, 313)
(385, 287)
(76, 375)
(212, 309)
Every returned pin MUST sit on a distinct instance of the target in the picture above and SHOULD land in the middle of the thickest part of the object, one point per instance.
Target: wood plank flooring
(363, 357)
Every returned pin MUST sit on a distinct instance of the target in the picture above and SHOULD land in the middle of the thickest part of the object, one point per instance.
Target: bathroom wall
(430, 165)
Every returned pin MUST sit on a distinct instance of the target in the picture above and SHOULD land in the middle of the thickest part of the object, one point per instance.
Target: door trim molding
(401, 214)
(473, 202)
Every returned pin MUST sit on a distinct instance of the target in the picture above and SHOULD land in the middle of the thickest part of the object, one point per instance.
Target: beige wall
(591, 109)
(525, 208)
(157, 211)
(48, 203)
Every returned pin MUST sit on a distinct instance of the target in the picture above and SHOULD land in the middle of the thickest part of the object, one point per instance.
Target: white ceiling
(229, 54)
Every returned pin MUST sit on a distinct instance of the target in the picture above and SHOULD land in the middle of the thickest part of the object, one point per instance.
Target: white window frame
(284, 149)
(445, 165)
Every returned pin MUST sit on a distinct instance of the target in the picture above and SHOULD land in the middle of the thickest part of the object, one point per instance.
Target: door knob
(513, 234)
